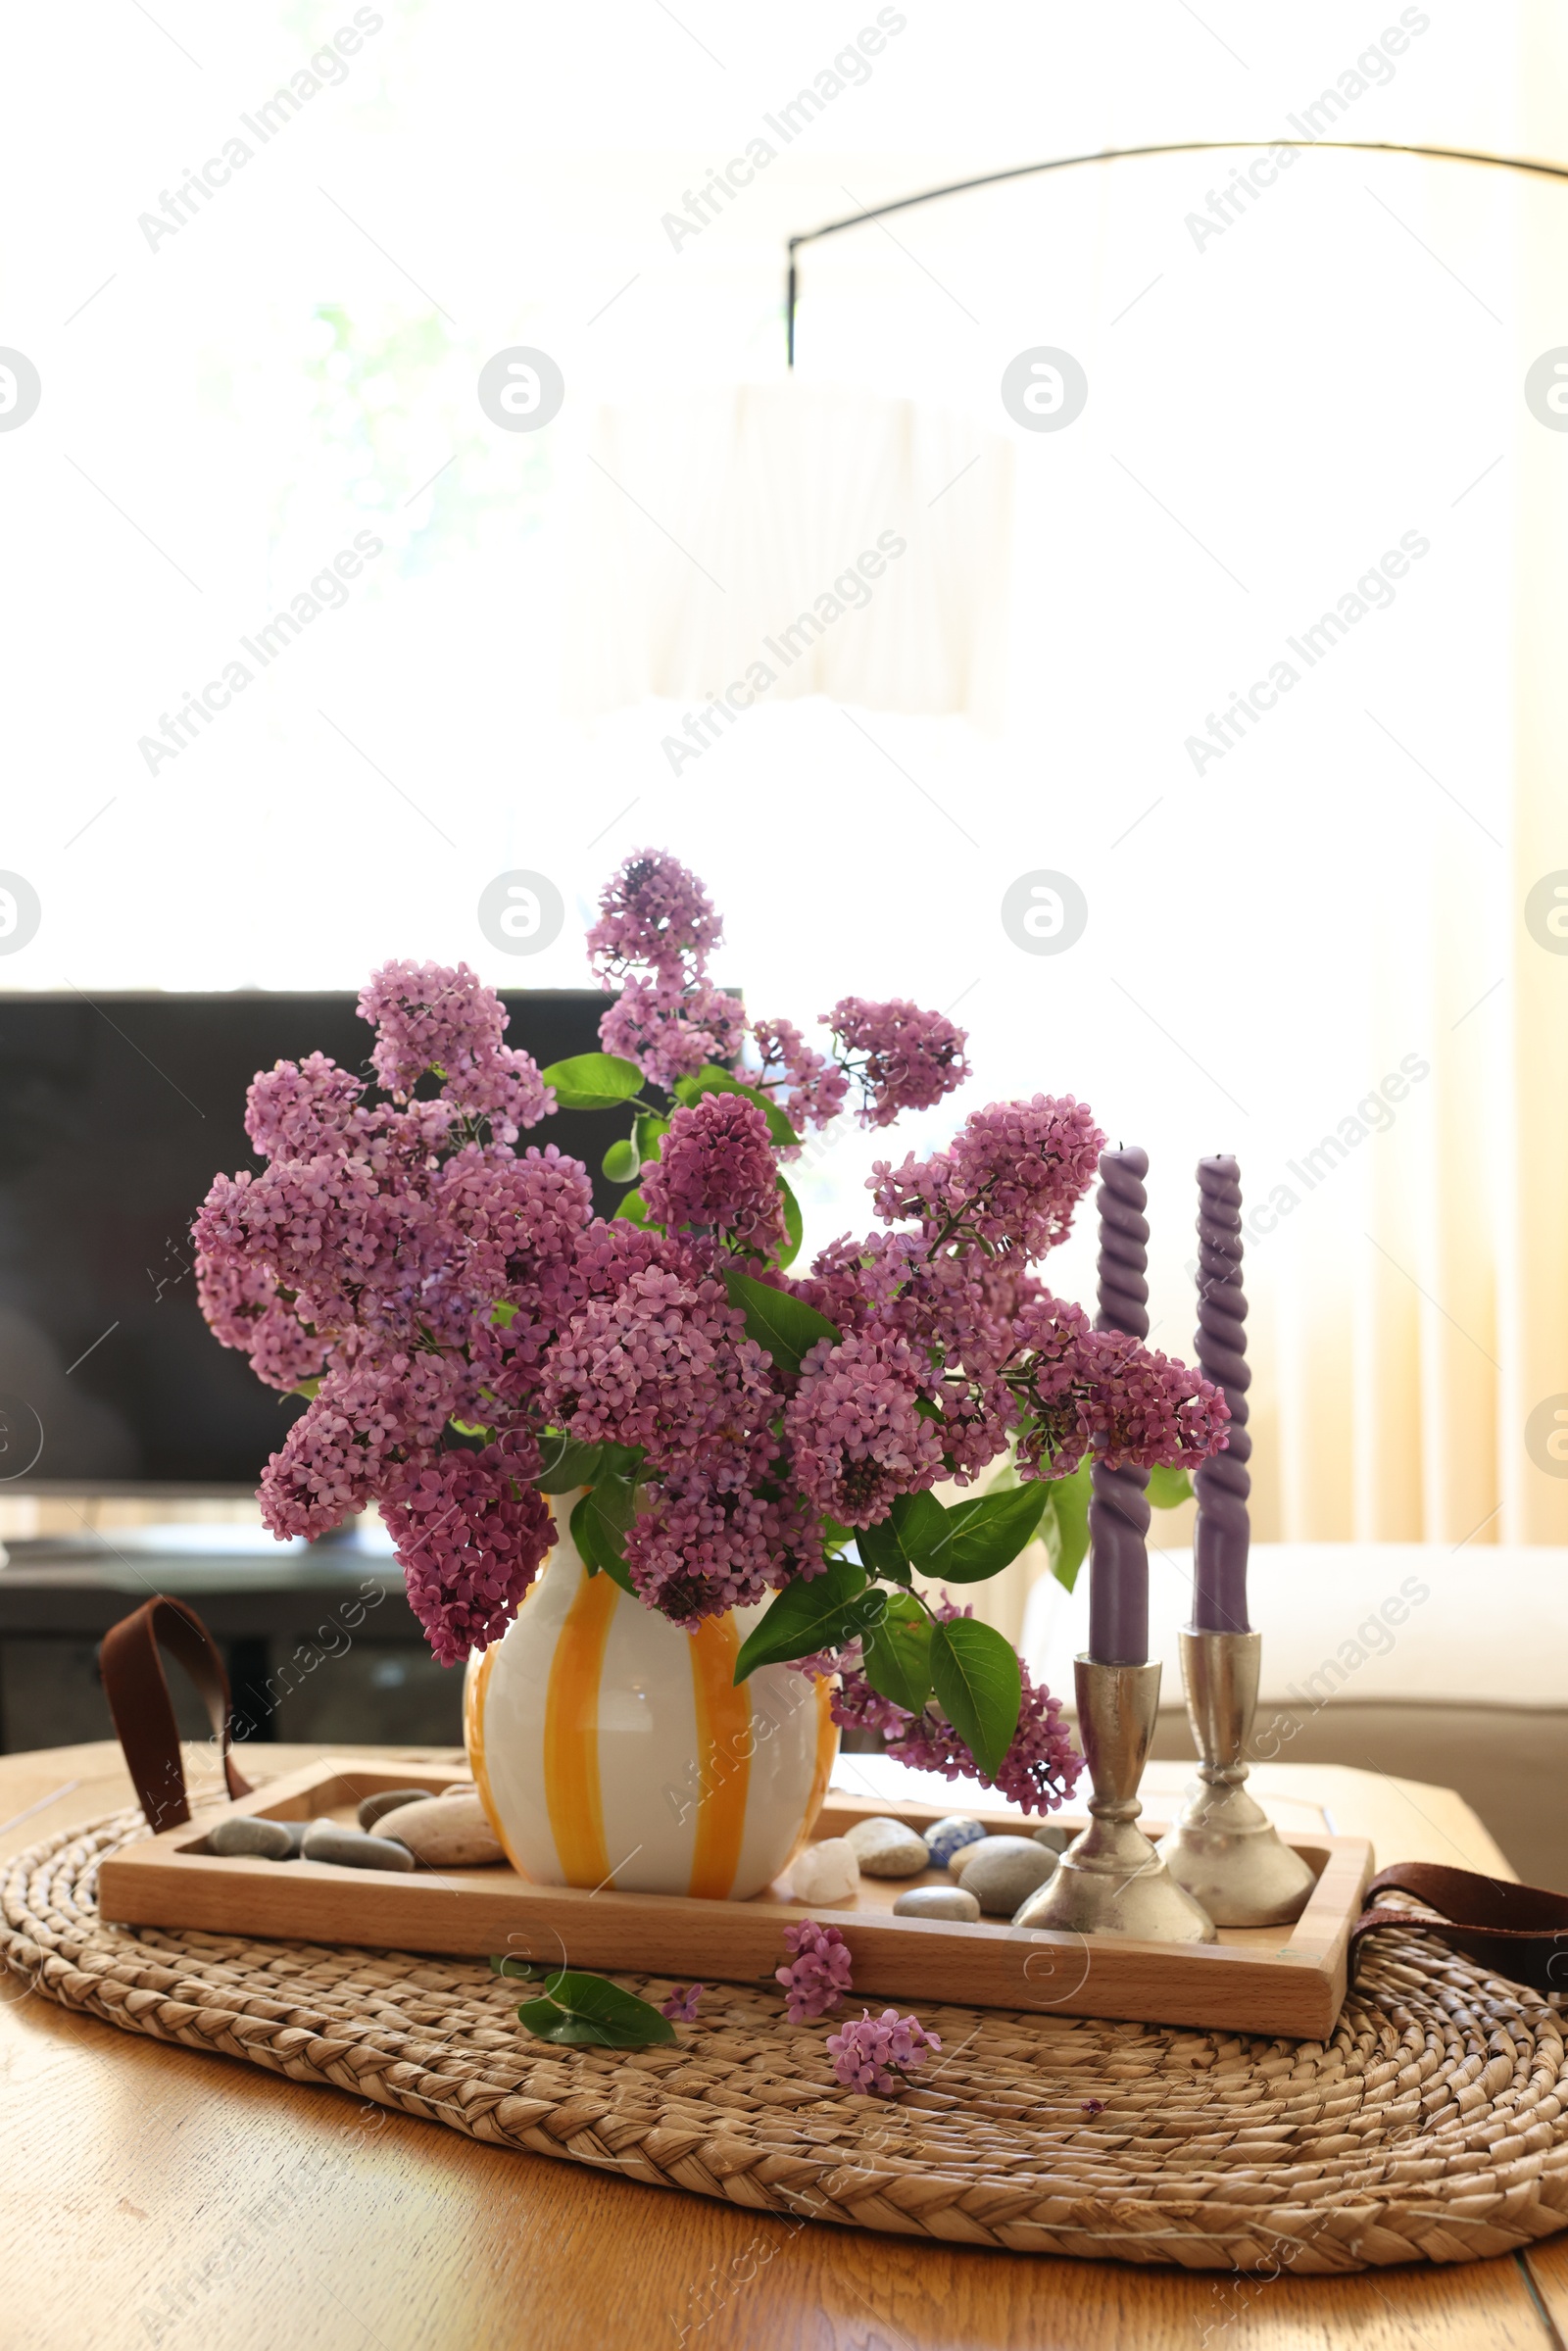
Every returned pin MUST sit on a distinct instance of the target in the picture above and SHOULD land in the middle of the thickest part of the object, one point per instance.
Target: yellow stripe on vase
(724, 1757)
(572, 1795)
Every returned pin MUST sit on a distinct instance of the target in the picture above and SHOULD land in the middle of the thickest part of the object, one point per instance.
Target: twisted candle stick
(1223, 1534)
(1118, 1506)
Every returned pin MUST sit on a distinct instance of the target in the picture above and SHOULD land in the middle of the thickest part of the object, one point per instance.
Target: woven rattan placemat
(1431, 2126)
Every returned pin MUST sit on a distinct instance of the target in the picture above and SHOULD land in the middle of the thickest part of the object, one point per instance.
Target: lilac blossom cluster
(818, 1975)
(876, 2055)
(458, 1317)
(655, 931)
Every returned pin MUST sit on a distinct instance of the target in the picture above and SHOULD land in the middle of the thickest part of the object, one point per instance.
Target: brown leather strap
(137, 1690)
(1520, 1932)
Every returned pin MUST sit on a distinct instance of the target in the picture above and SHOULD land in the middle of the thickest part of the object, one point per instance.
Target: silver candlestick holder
(1223, 1848)
(1110, 1879)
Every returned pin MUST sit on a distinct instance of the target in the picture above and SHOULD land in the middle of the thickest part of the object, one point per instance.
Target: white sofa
(1430, 1663)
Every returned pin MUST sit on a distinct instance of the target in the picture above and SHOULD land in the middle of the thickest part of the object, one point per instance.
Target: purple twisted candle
(1224, 1532)
(1119, 1503)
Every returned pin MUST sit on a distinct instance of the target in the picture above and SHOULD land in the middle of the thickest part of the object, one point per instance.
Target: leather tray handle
(1520, 1932)
(137, 1690)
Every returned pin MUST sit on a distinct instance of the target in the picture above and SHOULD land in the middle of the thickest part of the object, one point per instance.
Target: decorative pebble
(944, 1837)
(1005, 1871)
(1059, 1840)
(246, 1833)
(445, 1833)
(886, 1848)
(937, 1903)
(351, 1849)
(376, 1807)
(826, 1873)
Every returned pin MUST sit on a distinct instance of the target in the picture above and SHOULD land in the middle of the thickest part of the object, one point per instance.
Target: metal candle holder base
(1112, 1881)
(1223, 1848)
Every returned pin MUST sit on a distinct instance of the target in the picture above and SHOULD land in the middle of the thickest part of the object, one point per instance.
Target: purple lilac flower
(1108, 1395)
(662, 1363)
(708, 1543)
(653, 911)
(877, 2054)
(1011, 1177)
(292, 1113)
(819, 1974)
(716, 1171)
(681, 2006)
(245, 1310)
(858, 1439)
(429, 1017)
(814, 1089)
(672, 1032)
(471, 1538)
(905, 1058)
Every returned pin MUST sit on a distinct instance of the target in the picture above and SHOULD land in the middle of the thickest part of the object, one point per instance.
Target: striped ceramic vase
(611, 1749)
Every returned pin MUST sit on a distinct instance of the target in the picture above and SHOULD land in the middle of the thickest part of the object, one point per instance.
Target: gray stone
(1005, 1870)
(376, 1808)
(445, 1833)
(886, 1848)
(352, 1850)
(246, 1833)
(945, 1838)
(937, 1903)
(1057, 1840)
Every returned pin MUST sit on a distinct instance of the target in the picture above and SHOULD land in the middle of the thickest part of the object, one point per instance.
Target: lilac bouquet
(471, 1337)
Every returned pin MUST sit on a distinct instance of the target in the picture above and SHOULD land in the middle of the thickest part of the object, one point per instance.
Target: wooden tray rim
(1178, 1984)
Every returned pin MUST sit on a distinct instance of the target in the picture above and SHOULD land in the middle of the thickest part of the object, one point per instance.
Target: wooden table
(154, 2196)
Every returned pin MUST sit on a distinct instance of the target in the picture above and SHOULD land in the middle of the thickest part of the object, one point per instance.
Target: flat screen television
(116, 1113)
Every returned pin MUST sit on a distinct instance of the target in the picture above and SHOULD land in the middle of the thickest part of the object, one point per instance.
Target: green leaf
(898, 1653)
(567, 1464)
(832, 1608)
(516, 1970)
(599, 1525)
(711, 1079)
(648, 1134)
(776, 1319)
(908, 1537)
(1168, 1489)
(621, 1162)
(578, 2010)
(986, 1535)
(593, 1081)
(1065, 1525)
(309, 1387)
(634, 1208)
(794, 1226)
(504, 1314)
(979, 1686)
(472, 1428)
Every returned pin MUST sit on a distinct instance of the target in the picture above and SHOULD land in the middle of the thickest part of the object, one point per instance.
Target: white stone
(937, 1903)
(444, 1833)
(886, 1848)
(826, 1873)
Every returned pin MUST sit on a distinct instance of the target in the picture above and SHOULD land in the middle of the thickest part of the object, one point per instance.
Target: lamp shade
(762, 542)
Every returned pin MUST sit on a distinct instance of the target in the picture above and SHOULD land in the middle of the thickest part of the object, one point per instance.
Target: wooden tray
(1269, 1980)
